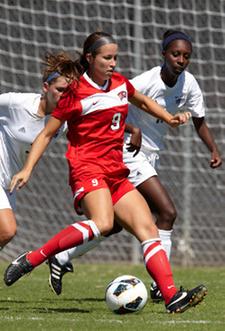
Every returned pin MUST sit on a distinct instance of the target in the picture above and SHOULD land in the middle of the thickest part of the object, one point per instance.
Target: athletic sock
(73, 235)
(158, 266)
(72, 253)
(165, 236)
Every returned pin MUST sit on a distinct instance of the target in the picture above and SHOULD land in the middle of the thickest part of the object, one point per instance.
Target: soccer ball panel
(126, 294)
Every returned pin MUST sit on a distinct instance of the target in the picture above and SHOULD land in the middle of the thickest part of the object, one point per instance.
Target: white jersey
(19, 126)
(185, 94)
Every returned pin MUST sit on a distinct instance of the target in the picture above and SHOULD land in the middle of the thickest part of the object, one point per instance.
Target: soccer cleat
(183, 300)
(19, 267)
(57, 271)
(155, 293)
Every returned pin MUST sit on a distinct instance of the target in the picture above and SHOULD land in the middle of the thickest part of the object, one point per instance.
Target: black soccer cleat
(57, 271)
(19, 267)
(155, 293)
(184, 300)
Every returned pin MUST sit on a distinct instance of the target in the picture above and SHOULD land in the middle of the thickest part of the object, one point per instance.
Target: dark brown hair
(91, 45)
(60, 63)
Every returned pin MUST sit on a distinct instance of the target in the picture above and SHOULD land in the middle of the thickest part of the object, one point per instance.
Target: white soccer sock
(69, 254)
(165, 236)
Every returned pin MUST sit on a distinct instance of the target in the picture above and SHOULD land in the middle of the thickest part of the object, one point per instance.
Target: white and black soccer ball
(126, 294)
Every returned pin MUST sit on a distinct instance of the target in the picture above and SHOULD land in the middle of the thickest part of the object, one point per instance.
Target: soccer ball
(126, 294)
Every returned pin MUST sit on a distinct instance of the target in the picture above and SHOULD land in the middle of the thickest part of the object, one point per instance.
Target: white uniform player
(22, 118)
(20, 123)
(185, 93)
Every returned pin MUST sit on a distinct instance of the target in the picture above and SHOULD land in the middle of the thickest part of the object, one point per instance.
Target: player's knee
(167, 218)
(105, 227)
(145, 231)
(171, 215)
(116, 229)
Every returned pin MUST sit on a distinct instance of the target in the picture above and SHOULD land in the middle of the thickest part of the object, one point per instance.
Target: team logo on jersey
(122, 95)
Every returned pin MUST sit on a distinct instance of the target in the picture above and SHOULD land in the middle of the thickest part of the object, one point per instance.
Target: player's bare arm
(38, 148)
(150, 106)
(206, 136)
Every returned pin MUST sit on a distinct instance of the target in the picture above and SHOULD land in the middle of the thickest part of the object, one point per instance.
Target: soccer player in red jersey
(95, 107)
(172, 85)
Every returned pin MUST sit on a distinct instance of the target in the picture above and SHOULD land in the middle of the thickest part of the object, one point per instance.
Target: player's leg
(134, 214)
(60, 264)
(58, 269)
(159, 201)
(143, 176)
(164, 210)
(140, 171)
(97, 206)
(7, 217)
(75, 252)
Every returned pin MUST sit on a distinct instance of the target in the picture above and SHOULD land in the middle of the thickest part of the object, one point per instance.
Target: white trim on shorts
(7, 200)
(141, 166)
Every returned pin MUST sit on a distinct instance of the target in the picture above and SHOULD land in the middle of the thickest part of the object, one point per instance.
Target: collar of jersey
(91, 82)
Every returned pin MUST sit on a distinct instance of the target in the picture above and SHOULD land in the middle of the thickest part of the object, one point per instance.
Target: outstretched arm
(206, 136)
(38, 147)
(150, 106)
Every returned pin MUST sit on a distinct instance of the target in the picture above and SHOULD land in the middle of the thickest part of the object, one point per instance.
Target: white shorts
(141, 166)
(7, 200)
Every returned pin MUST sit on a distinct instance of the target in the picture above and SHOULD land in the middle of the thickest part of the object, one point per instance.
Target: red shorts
(117, 186)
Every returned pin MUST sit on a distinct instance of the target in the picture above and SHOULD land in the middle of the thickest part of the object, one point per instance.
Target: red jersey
(96, 124)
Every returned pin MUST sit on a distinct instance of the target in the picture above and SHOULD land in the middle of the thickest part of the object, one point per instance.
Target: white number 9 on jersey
(116, 121)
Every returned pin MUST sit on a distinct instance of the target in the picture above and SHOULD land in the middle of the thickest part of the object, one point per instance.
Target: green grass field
(30, 305)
